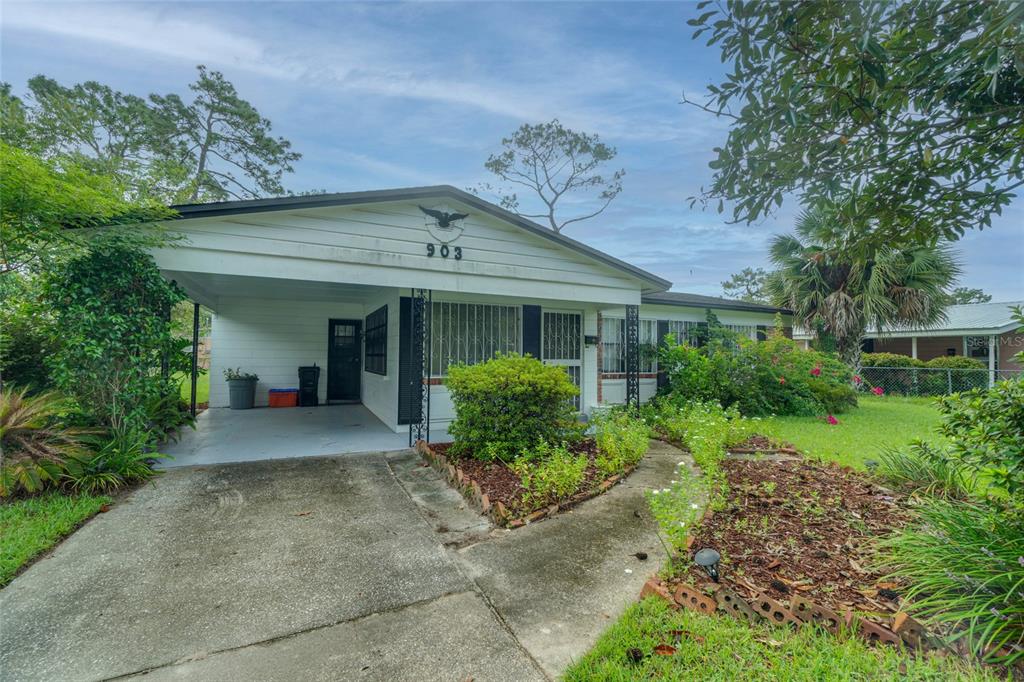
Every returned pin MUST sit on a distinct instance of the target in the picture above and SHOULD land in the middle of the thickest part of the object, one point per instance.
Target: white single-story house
(984, 331)
(383, 290)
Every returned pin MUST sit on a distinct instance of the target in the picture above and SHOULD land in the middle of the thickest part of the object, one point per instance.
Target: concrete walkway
(329, 568)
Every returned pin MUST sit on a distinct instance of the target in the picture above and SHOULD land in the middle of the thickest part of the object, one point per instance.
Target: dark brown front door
(344, 361)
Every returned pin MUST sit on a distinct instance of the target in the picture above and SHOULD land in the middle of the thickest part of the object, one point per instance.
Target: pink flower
(782, 380)
(857, 379)
(831, 420)
(877, 390)
(816, 372)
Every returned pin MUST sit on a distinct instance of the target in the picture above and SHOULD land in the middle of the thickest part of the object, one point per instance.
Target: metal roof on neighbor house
(186, 211)
(993, 318)
(679, 298)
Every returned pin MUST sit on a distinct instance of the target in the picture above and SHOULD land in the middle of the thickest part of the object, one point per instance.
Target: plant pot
(242, 393)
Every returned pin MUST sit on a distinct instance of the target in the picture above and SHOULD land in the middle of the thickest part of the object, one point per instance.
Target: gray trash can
(242, 393)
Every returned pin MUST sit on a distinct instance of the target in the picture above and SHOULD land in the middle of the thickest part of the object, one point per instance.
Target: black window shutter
(531, 330)
(662, 333)
(762, 332)
(407, 383)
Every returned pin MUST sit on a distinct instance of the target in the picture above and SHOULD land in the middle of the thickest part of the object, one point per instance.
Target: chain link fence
(930, 381)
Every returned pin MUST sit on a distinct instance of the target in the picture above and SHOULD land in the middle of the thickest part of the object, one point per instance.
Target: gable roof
(224, 208)
(679, 298)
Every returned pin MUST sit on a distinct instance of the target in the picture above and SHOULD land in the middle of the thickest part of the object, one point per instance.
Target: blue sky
(392, 95)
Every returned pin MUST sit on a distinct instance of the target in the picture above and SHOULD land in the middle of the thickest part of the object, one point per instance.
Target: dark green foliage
(212, 146)
(954, 362)
(965, 295)
(924, 468)
(775, 376)
(112, 307)
(747, 285)
(123, 456)
(985, 428)
(888, 360)
(842, 285)
(963, 567)
(37, 446)
(505, 406)
(26, 334)
(868, 106)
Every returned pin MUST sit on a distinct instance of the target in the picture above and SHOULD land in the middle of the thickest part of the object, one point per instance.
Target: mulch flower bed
(497, 489)
(797, 529)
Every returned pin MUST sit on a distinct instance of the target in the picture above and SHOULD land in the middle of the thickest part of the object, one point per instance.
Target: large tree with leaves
(223, 143)
(214, 145)
(552, 162)
(908, 116)
(747, 285)
(840, 285)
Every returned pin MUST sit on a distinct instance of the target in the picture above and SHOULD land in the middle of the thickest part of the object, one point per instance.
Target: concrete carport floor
(327, 568)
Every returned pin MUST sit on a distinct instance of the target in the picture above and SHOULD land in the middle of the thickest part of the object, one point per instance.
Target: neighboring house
(339, 280)
(984, 331)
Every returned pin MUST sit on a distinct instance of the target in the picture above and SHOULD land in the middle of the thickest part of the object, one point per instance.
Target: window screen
(376, 336)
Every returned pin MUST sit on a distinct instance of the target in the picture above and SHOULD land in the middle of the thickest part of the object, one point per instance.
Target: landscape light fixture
(708, 559)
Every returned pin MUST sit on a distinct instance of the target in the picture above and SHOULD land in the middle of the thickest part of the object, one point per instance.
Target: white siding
(386, 245)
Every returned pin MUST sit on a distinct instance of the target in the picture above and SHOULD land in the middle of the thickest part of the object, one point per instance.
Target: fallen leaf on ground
(305, 513)
(665, 650)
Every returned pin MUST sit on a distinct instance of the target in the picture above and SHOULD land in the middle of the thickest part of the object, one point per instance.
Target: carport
(223, 435)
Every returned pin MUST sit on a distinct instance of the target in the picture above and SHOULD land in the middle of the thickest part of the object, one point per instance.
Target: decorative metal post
(195, 354)
(633, 356)
(419, 376)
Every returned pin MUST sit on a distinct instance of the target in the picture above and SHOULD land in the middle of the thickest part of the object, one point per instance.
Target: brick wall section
(1010, 344)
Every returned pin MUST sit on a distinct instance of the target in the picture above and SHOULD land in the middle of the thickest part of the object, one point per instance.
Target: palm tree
(840, 284)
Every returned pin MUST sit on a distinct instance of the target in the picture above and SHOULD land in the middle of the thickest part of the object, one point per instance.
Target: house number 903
(445, 251)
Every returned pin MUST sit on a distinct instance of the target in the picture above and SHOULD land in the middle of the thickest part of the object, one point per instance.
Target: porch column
(633, 356)
(991, 360)
(913, 347)
(195, 355)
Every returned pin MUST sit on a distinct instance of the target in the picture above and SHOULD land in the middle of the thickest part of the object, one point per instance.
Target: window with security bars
(376, 336)
(471, 333)
(688, 332)
(747, 331)
(561, 338)
(613, 345)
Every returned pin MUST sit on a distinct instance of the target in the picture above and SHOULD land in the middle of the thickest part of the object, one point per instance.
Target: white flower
(655, 492)
(681, 464)
(694, 506)
(629, 570)
(682, 523)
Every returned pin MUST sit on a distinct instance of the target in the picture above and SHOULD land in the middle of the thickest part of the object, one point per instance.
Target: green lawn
(721, 648)
(202, 387)
(878, 421)
(32, 526)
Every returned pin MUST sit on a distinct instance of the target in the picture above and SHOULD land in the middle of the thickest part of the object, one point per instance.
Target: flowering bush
(775, 376)
(677, 507)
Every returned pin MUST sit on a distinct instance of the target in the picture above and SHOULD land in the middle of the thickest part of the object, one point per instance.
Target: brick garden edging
(900, 630)
(497, 512)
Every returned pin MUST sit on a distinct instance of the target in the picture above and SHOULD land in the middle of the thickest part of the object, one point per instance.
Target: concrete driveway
(327, 568)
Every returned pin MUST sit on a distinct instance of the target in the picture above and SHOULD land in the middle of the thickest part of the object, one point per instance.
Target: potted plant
(242, 388)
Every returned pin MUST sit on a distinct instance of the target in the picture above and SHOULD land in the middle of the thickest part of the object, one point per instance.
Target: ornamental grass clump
(964, 558)
(505, 406)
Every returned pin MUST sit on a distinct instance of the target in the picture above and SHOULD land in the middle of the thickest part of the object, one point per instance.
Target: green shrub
(27, 336)
(112, 308)
(888, 360)
(37, 447)
(549, 473)
(775, 376)
(955, 362)
(504, 406)
(985, 429)
(621, 440)
(123, 457)
(963, 567)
